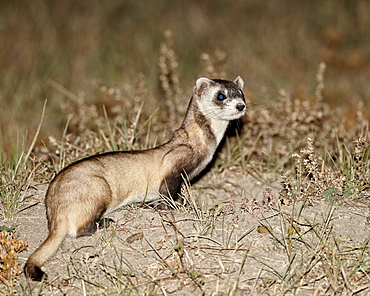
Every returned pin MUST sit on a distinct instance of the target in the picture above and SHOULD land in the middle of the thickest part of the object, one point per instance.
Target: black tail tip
(34, 272)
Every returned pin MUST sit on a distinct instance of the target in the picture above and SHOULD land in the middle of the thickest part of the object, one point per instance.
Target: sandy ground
(235, 239)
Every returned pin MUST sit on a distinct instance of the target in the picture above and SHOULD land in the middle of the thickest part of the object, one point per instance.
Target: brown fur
(83, 192)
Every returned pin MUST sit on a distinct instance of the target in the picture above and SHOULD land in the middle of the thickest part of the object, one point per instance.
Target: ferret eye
(221, 97)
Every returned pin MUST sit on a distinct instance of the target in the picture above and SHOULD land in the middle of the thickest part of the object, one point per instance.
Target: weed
(10, 247)
(316, 179)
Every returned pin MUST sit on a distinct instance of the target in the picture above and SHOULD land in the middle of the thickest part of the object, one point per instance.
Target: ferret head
(220, 99)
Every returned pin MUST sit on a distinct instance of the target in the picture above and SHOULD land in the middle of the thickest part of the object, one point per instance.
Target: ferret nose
(240, 107)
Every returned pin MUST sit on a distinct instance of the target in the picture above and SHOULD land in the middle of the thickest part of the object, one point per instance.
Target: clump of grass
(316, 179)
(17, 175)
(11, 183)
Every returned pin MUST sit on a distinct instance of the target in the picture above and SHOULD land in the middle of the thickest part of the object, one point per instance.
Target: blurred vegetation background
(55, 50)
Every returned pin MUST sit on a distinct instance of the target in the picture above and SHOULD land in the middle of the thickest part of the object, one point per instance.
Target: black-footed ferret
(87, 189)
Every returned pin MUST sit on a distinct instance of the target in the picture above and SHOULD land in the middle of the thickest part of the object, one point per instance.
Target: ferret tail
(32, 268)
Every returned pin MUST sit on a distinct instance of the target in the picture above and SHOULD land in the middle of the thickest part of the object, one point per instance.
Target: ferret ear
(239, 82)
(201, 85)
